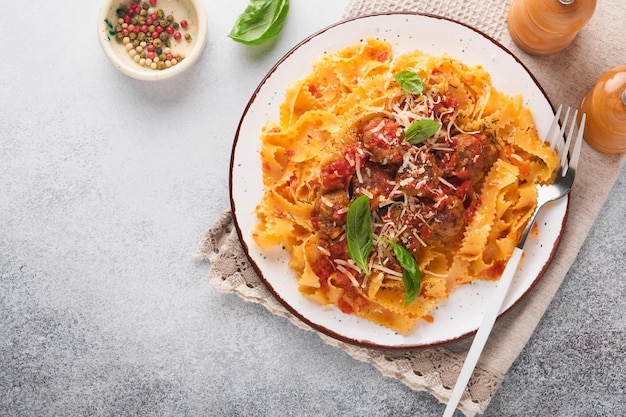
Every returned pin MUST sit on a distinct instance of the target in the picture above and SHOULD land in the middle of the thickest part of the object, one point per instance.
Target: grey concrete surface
(107, 186)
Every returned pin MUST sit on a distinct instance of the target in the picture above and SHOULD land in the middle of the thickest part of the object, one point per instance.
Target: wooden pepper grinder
(545, 27)
(605, 105)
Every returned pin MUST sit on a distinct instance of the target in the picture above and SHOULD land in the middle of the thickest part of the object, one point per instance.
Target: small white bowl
(192, 11)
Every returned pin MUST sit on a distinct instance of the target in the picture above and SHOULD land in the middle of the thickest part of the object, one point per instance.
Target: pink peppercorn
(159, 29)
(169, 30)
(150, 55)
(178, 36)
(155, 34)
(184, 23)
(151, 48)
(153, 2)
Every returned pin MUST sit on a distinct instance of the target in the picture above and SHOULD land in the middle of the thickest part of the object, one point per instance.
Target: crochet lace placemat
(565, 77)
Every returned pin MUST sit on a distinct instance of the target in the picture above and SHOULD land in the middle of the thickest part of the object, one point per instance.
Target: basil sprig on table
(411, 274)
(359, 231)
(260, 21)
(359, 239)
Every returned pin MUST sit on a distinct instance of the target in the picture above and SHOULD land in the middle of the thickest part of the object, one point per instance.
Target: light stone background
(107, 186)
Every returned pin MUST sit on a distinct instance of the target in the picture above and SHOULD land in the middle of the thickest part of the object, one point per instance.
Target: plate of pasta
(382, 174)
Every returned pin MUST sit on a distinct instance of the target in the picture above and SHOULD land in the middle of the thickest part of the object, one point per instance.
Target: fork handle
(493, 308)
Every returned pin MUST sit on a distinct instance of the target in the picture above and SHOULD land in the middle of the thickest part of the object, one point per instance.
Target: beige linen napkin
(565, 77)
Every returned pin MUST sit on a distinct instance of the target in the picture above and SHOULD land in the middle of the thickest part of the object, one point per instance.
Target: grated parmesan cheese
(341, 268)
(326, 201)
(445, 182)
(323, 250)
(359, 176)
(390, 272)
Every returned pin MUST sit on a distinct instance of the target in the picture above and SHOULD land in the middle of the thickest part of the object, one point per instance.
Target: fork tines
(562, 145)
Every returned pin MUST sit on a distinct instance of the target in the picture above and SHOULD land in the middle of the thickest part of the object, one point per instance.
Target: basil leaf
(421, 130)
(410, 81)
(359, 231)
(411, 275)
(260, 21)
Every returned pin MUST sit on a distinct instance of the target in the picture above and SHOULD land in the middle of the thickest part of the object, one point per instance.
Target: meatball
(336, 174)
(376, 181)
(473, 156)
(435, 222)
(448, 221)
(330, 211)
(419, 174)
(384, 139)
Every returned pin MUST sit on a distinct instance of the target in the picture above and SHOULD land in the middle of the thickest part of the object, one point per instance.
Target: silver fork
(546, 193)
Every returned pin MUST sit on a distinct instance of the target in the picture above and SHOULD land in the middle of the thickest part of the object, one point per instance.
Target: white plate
(459, 315)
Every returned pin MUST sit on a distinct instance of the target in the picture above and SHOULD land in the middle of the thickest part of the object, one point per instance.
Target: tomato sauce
(428, 190)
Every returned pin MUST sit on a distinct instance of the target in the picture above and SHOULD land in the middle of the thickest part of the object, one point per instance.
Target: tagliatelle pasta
(448, 166)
